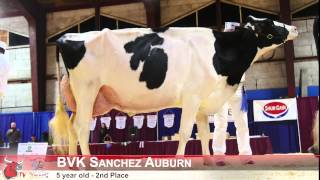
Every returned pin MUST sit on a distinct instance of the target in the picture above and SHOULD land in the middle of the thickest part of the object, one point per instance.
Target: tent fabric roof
(269, 5)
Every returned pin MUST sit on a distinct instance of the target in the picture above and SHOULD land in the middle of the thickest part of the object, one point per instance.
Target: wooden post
(218, 15)
(285, 17)
(36, 18)
(4, 36)
(153, 13)
(97, 18)
(37, 33)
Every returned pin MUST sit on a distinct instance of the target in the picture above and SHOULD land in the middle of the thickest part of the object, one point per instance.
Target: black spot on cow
(155, 68)
(72, 51)
(160, 29)
(155, 59)
(234, 53)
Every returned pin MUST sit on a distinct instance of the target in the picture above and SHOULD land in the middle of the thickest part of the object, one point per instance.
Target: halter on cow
(143, 70)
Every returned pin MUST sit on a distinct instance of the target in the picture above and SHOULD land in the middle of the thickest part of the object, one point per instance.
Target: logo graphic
(29, 149)
(37, 164)
(275, 110)
(11, 168)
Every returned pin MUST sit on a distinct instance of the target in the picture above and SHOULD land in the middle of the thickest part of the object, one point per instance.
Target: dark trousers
(13, 148)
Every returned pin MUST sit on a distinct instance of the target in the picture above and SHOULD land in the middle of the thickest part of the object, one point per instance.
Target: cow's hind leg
(204, 135)
(73, 139)
(190, 107)
(85, 97)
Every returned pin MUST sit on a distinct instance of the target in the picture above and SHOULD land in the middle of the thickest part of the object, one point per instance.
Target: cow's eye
(269, 36)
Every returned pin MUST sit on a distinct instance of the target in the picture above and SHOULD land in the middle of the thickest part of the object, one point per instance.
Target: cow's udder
(106, 99)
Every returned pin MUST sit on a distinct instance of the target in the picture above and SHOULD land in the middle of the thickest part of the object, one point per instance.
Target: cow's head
(270, 33)
(11, 168)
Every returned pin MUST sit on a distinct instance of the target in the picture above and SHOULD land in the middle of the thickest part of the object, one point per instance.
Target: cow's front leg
(190, 107)
(203, 132)
(220, 131)
(204, 135)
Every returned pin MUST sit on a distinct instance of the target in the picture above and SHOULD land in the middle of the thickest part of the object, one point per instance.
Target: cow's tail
(60, 123)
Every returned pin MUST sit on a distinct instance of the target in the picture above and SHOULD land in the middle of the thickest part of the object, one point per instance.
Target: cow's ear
(250, 19)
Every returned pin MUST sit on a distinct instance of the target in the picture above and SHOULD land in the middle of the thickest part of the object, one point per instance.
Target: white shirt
(121, 122)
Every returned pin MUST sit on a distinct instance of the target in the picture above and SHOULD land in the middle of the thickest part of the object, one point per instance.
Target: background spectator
(13, 135)
(103, 132)
(45, 136)
(34, 138)
(1, 141)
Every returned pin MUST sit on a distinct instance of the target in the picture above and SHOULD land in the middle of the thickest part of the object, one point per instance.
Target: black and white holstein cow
(144, 70)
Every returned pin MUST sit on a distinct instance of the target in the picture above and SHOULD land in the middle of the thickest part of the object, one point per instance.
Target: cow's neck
(235, 52)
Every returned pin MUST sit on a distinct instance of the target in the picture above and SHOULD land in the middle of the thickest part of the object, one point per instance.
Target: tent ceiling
(270, 5)
(8, 8)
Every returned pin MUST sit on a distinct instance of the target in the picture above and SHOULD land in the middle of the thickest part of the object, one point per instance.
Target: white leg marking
(220, 128)
(241, 123)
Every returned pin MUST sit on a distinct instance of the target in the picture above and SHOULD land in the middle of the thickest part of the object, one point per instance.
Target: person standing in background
(1, 141)
(103, 132)
(13, 135)
(34, 138)
(238, 105)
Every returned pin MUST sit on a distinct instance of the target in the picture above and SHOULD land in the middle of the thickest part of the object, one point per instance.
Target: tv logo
(275, 110)
(11, 168)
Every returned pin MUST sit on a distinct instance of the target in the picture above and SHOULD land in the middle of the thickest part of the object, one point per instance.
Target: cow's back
(148, 70)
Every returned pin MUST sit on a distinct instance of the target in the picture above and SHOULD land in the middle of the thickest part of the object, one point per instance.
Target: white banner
(106, 121)
(168, 120)
(275, 110)
(121, 122)
(32, 148)
(93, 123)
(138, 121)
(152, 121)
(230, 26)
(165, 175)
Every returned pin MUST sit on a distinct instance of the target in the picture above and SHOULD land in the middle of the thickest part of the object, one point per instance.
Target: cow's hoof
(249, 162)
(313, 150)
(220, 163)
(90, 168)
(208, 163)
(73, 168)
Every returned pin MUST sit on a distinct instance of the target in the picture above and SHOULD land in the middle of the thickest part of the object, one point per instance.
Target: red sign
(275, 109)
